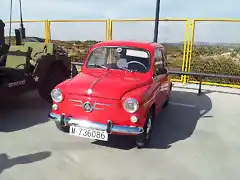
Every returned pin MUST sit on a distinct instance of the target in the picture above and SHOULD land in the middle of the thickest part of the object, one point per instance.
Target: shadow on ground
(175, 123)
(22, 112)
(6, 162)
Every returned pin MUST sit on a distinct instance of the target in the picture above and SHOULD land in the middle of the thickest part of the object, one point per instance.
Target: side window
(162, 59)
(158, 59)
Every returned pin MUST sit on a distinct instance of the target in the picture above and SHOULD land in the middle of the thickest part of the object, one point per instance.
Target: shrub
(221, 65)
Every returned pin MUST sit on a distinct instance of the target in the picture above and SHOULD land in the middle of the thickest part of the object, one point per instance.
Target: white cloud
(96, 9)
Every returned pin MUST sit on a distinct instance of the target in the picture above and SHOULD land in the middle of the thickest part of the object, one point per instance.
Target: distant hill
(221, 44)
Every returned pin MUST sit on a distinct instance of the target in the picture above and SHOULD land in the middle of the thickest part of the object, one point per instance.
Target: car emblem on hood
(89, 91)
(88, 107)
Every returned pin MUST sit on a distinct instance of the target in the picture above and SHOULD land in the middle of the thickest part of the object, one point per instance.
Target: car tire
(62, 127)
(144, 139)
(56, 74)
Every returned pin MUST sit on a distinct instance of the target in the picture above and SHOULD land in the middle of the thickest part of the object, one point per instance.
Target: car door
(159, 78)
(164, 76)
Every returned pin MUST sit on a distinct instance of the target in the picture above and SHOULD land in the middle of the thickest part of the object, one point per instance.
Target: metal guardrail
(198, 77)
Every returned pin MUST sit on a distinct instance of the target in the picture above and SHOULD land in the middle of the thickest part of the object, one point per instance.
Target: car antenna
(10, 28)
(22, 29)
(20, 33)
(156, 24)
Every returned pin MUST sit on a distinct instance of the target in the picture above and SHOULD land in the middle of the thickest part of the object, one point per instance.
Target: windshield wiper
(125, 69)
(128, 69)
(97, 65)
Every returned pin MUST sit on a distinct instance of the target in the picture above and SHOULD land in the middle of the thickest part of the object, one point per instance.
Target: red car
(120, 89)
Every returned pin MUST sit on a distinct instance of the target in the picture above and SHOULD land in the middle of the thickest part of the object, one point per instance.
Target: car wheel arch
(151, 107)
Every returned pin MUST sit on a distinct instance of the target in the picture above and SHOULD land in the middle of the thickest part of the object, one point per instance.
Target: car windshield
(123, 58)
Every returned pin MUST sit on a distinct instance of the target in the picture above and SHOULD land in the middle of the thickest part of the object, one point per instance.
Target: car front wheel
(143, 139)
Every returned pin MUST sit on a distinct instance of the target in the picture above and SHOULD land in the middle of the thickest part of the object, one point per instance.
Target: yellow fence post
(185, 52)
(47, 31)
(109, 29)
(192, 25)
(106, 29)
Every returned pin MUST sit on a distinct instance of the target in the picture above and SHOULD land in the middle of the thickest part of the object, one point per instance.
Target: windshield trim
(115, 46)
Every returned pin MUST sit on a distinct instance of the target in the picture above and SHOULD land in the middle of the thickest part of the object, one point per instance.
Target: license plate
(88, 133)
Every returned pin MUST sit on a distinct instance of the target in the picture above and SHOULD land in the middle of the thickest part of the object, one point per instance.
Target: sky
(127, 9)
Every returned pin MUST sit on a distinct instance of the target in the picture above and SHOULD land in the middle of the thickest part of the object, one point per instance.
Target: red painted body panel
(111, 87)
(114, 84)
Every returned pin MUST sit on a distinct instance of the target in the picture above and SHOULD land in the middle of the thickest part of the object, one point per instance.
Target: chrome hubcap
(145, 137)
(149, 126)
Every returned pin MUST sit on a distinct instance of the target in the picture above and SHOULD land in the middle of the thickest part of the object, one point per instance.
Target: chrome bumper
(109, 127)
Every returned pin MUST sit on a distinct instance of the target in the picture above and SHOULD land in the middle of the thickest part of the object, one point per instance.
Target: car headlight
(131, 105)
(56, 95)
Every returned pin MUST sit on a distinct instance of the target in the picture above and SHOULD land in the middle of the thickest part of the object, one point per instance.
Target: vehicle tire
(62, 127)
(143, 139)
(56, 74)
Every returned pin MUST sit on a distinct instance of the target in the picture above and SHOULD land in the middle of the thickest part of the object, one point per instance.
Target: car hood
(106, 84)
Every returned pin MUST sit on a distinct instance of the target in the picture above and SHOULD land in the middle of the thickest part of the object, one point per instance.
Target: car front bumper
(109, 127)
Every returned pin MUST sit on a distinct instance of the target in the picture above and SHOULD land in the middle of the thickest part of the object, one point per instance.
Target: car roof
(140, 44)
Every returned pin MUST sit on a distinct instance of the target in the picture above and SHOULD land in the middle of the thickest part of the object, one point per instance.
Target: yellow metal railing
(190, 50)
(82, 21)
(188, 39)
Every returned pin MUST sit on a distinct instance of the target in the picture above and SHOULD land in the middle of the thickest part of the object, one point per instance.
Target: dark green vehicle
(29, 65)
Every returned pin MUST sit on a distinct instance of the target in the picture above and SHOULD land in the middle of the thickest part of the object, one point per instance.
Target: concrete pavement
(195, 137)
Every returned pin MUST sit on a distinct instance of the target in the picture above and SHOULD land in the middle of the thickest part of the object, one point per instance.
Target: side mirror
(159, 68)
